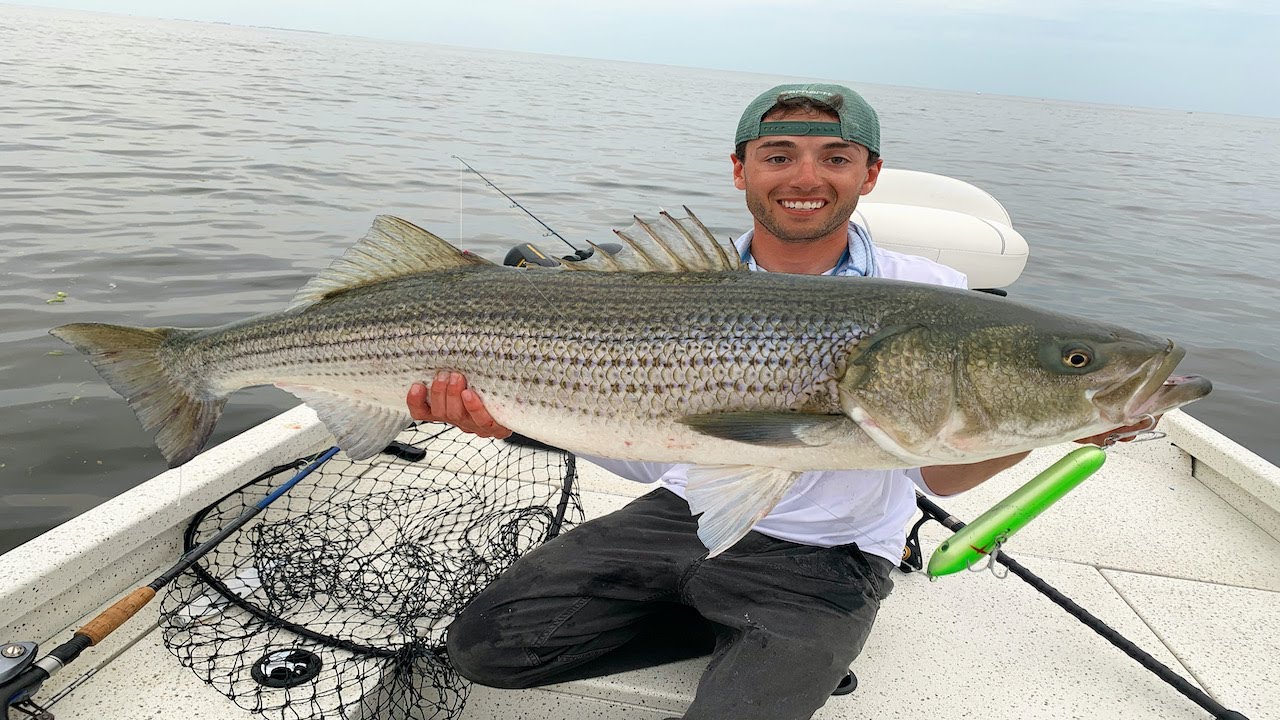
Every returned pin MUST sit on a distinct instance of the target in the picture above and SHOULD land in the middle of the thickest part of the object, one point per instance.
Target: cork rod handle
(116, 615)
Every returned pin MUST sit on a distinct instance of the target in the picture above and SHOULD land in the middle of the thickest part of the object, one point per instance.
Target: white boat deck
(1185, 565)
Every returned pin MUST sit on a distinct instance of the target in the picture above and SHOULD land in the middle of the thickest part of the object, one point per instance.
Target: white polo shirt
(832, 507)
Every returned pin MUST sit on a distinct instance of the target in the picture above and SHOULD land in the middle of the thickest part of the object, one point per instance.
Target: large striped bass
(670, 352)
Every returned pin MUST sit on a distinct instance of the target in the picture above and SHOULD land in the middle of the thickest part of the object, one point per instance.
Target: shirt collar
(858, 237)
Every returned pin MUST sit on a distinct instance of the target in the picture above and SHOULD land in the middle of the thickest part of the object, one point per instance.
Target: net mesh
(333, 602)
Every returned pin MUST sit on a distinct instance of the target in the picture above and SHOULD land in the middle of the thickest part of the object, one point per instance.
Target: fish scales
(639, 346)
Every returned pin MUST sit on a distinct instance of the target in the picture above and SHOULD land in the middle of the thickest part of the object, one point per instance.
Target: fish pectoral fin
(775, 430)
(361, 429)
(732, 498)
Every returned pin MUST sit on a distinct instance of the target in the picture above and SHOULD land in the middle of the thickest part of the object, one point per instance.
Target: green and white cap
(858, 122)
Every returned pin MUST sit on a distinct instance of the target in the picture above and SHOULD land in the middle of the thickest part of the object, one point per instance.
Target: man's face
(803, 188)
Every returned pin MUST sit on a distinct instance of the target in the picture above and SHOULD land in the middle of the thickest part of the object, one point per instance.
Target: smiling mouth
(803, 204)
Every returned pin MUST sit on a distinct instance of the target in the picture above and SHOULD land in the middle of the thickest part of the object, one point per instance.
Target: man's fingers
(453, 408)
(417, 402)
(436, 395)
(471, 401)
(448, 399)
(1101, 438)
(485, 425)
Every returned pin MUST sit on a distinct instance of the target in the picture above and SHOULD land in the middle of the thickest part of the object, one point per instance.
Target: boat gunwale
(118, 544)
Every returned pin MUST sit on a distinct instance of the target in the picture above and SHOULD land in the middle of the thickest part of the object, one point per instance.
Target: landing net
(333, 602)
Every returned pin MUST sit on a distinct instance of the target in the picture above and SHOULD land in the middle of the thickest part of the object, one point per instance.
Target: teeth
(807, 205)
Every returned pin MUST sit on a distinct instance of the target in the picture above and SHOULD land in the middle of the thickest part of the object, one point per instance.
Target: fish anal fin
(732, 498)
(772, 429)
(392, 248)
(360, 428)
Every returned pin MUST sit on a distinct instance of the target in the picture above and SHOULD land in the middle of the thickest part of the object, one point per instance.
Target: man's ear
(739, 170)
(873, 173)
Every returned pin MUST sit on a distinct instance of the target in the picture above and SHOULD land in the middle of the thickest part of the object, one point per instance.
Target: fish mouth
(1160, 390)
(1174, 392)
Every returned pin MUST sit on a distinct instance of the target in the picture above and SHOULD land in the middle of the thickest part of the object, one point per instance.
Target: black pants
(784, 620)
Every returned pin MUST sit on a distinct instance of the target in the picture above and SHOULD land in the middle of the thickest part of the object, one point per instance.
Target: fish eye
(1077, 357)
(1071, 356)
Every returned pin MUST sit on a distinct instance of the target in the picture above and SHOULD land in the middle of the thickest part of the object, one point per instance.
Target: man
(792, 603)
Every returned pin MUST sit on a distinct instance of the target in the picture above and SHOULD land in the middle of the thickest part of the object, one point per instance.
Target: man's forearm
(952, 479)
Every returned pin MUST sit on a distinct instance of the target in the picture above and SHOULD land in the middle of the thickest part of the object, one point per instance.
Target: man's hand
(952, 479)
(1101, 438)
(449, 400)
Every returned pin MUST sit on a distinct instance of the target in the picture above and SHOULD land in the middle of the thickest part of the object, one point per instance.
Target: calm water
(174, 173)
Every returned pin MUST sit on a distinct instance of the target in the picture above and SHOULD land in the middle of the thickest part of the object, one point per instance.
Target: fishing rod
(913, 561)
(527, 254)
(22, 675)
(582, 254)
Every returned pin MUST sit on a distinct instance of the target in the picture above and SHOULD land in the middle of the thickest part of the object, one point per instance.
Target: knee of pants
(474, 651)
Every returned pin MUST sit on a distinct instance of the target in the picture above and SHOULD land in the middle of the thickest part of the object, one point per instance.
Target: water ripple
(166, 172)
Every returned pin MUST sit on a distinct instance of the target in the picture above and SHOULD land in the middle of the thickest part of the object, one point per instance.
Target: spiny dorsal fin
(392, 248)
(666, 245)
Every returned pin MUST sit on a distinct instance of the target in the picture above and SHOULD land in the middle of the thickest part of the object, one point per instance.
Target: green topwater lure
(983, 537)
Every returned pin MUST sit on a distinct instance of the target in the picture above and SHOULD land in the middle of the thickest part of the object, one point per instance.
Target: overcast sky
(1204, 55)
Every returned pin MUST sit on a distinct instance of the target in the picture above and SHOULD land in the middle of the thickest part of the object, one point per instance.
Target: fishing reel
(526, 254)
(20, 678)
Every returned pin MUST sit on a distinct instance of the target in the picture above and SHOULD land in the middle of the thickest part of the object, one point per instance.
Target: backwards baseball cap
(858, 122)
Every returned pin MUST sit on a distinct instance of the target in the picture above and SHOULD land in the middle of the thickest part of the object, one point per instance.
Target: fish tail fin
(130, 359)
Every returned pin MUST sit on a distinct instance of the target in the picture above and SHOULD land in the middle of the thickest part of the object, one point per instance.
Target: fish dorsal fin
(665, 245)
(392, 248)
